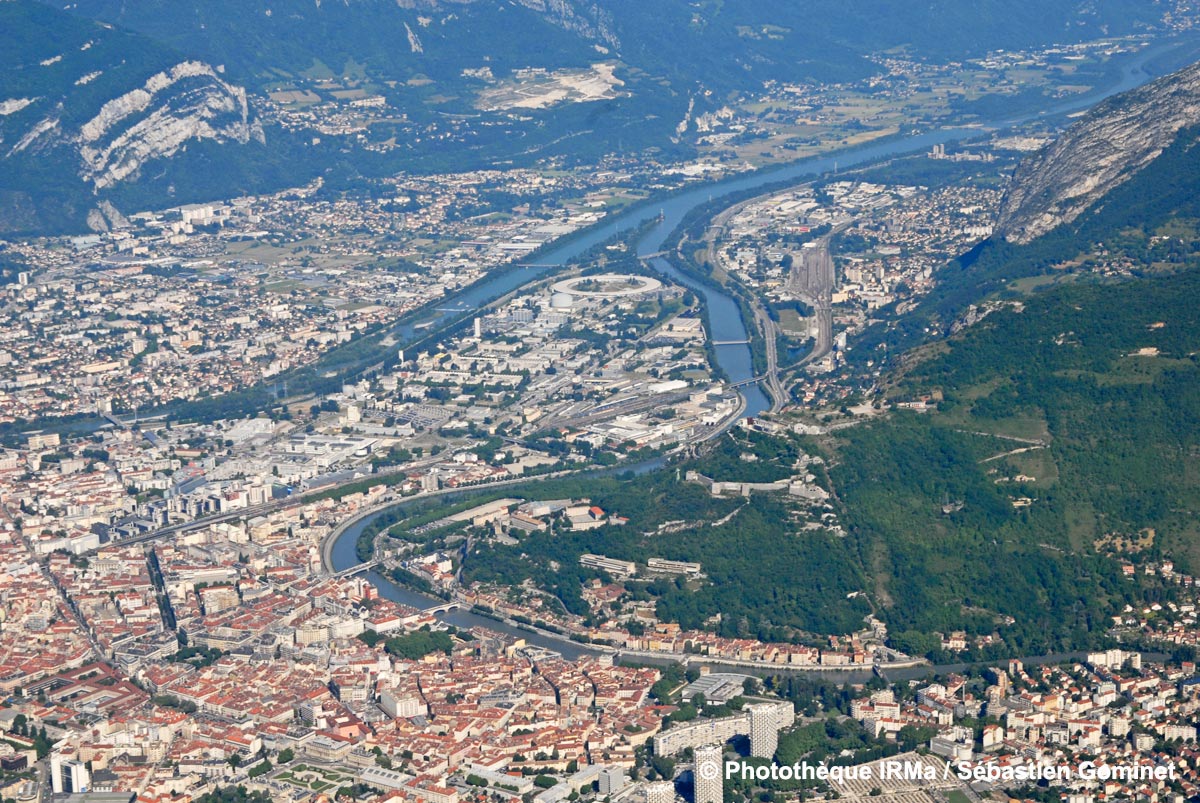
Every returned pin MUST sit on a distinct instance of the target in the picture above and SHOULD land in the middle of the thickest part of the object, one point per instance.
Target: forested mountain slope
(1067, 421)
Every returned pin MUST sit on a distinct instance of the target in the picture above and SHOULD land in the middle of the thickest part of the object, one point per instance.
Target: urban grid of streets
(172, 622)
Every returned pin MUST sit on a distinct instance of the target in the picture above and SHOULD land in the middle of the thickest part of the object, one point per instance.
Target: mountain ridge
(85, 108)
(424, 59)
(1105, 148)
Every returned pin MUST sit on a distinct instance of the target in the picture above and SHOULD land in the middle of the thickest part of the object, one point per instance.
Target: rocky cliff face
(592, 22)
(185, 103)
(1100, 151)
(93, 117)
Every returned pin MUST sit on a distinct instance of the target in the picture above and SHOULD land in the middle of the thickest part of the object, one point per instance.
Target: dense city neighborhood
(427, 487)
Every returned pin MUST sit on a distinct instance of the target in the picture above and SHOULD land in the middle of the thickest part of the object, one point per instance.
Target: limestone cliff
(1100, 151)
(187, 102)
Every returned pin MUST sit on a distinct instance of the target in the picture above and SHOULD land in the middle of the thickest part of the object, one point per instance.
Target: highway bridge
(730, 342)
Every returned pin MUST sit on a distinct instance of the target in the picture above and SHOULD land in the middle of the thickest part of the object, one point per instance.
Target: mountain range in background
(110, 105)
(87, 110)
(1079, 397)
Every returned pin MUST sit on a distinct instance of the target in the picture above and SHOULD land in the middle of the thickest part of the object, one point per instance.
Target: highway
(770, 332)
(291, 501)
(812, 279)
(196, 524)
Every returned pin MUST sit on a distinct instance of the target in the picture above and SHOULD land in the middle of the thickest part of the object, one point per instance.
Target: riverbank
(671, 214)
(469, 615)
(716, 662)
(522, 625)
(766, 666)
(330, 541)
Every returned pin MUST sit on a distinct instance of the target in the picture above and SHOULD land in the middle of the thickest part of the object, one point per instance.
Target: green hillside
(765, 579)
(1063, 442)
(1106, 376)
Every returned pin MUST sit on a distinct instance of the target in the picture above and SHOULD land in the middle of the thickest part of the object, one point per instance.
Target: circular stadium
(607, 285)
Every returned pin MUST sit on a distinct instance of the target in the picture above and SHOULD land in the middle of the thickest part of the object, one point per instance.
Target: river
(724, 314)
(343, 556)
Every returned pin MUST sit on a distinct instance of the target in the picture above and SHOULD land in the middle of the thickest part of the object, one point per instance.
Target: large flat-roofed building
(771, 716)
(717, 687)
(617, 568)
(673, 566)
(659, 792)
(701, 732)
